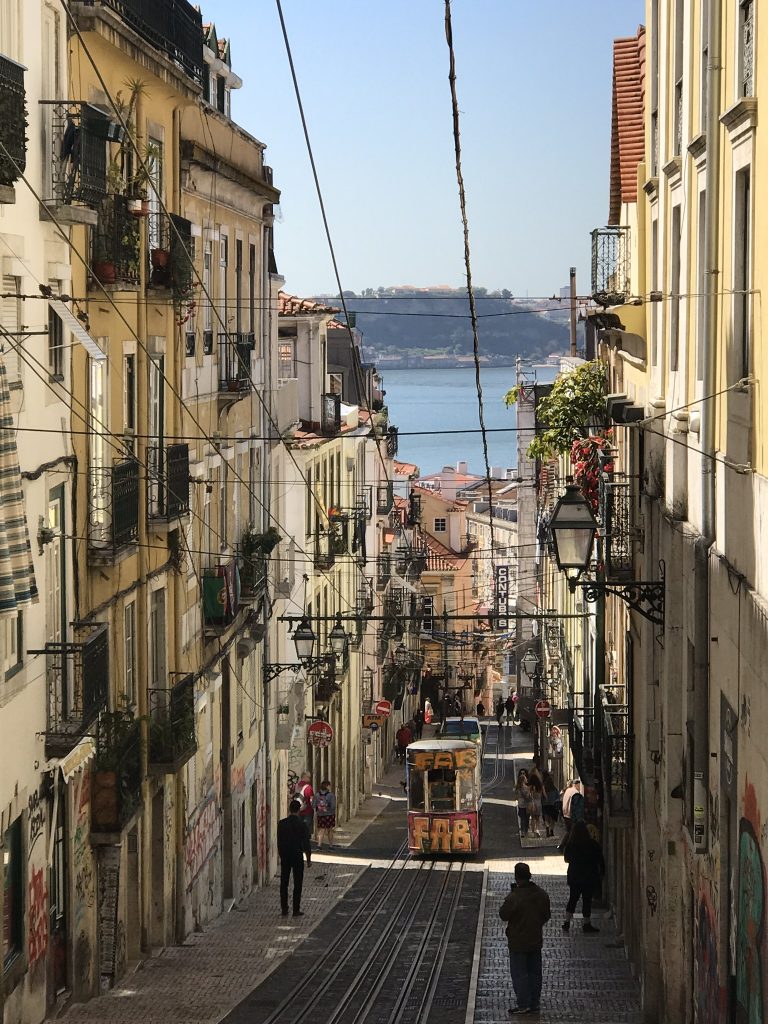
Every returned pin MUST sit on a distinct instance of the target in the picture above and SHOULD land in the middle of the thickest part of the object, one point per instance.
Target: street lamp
(572, 530)
(401, 655)
(337, 638)
(304, 640)
(530, 663)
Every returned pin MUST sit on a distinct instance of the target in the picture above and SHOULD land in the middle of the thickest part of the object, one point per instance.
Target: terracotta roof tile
(627, 124)
(405, 468)
(442, 557)
(292, 305)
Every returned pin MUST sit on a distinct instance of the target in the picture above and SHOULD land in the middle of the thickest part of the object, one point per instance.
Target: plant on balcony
(116, 771)
(255, 548)
(577, 398)
(585, 455)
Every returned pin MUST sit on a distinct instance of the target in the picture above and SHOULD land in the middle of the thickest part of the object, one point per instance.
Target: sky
(534, 87)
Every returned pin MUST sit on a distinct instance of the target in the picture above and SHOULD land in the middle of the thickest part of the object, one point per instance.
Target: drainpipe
(708, 411)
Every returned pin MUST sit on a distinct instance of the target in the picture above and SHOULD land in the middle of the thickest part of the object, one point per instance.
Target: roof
(292, 305)
(627, 128)
(442, 558)
(405, 468)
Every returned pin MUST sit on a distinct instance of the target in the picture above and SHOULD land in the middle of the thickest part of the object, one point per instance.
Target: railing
(78, 135)
(170, 252)
(116, 774)
(115, 252)
(172, 740)
(617, 749)
(113, 512)
(747, 48)
(582, 735)
(392, 442)
(610, 265)
(78, 684)
(385, 497)
(253, 575)
(330, 414)
(221, 595)
(365, 599)
(13, 119)
(172, 26)
(617, 516)
(325, 549)
(414, 509)
(168, 481)
(383, 570)
(325, 689)
(235, 362)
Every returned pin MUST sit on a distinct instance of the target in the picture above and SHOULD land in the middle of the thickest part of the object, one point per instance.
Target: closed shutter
(10, 317)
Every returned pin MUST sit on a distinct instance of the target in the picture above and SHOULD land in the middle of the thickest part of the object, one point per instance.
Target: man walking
(573, 789)
(304, 794)
(526, 911)
(509, 706)
(292, 843)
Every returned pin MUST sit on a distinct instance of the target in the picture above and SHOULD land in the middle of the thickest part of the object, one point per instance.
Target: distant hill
(402, 320)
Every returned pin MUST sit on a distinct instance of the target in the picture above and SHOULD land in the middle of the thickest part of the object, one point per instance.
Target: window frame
(13, 877)
(440, 529)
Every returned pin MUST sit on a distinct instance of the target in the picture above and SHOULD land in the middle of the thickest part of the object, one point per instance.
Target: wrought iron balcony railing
(385, 497)
(172, 26)
(582, 734)
(253, 575)
(115, 243)
(116, 774)
(172, 740)
(235, 362)
(113, 512)
(611, 265)
(392, 442)
(77, 135)
(617, 520)
(384, 571)
(78, 685)
(617, 750)
(170, 252)
(168, 481)
(13, 121)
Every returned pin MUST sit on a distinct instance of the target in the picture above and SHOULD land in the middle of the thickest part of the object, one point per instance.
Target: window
(286, 358)
(221, 95)
(654, 89)
(223, 505)
(309, 513)
(13, 893)
(13, 643)
(9, 29)
(129, 398)
(654, 287)
(742, 271)
(674, 288)
(154, 161)
(207, 282)
(441, 524)
(239, 285)
(157, 664)
(252, 289)
(55, 340)
(10, 319)
(701, 305)
(746, 44)
(129, 640)
(254, 487)
(704, 30)
(99, 451)
(679, 83)
(427, 623)
(223, 284)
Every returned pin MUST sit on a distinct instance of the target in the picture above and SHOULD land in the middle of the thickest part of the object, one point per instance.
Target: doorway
(157, 915)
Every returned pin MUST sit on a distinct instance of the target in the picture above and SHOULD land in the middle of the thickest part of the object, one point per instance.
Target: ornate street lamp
(337, 638)
(530, 664)
(304, 641)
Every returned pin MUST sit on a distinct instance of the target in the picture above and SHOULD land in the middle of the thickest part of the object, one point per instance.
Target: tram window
(466, 790)
(416, 791)
(442, 789)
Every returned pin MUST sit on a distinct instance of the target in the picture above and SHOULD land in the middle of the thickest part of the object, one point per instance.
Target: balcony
(172, 739)
(77, 682)
(221, 596)
(13, 121)
(77, 135)
(611, 265)
(173, 27)
(330, 415)
(116, 774)
(115, 243)
(113, 511)
(253, 576)
(167, 484)
(326, 688)
(616, 501)
(617, 751)
(234, 366)
(384, 571)
(385, 498)
(325, 544)
(392, 442)
(171, 250)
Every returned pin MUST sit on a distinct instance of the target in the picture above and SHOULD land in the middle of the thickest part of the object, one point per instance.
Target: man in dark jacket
(526, 911)
(292, 842)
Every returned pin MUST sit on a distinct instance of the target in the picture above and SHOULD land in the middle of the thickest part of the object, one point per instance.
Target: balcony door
(155, 456)
(56, 593)
(99, 460)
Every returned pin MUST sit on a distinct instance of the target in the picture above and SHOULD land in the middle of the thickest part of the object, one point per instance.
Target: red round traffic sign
(543, 708)
(320, 734)
(384, 707)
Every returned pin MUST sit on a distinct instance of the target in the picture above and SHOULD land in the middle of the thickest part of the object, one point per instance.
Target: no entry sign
(543, 708)
(384, 707)
(320, 734)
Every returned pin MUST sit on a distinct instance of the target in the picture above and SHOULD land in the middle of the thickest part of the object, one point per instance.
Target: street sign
(384, 708)
(543, 709)
(373, 721)
(320, 734)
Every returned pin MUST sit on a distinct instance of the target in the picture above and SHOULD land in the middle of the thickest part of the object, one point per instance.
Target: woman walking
(585, 869)
(325, 810)
(536, 789)
(523, 796)
(550, 806)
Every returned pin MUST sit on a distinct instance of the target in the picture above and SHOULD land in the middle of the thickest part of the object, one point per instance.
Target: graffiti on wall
(38, 916)
(750, 929)
(35, 821)
(710, 997)
(202, 838)
(82, 862)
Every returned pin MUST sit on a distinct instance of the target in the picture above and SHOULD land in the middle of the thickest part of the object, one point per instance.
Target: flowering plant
(585, 459)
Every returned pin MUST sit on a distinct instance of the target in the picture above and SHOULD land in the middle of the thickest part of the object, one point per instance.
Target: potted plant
(255, 548)
(114, 764)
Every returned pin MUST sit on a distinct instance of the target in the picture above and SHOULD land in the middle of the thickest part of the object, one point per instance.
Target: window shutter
(10, 319)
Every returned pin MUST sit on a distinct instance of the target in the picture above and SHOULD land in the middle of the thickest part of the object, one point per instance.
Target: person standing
(418, 723)
(305, 794)
(499, 709)
(403, 738)
(324, 805)
(526, 910)
(569, 793)
(509, 707)
(535, 800)
(585, 869)
(292, 845)
(523, 794)
(550, 805)
(480, 709)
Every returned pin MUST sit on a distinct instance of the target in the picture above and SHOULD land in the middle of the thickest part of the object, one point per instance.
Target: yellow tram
(444, 796)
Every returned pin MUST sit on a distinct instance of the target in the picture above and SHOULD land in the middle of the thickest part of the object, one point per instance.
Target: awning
(18, 587)
(78, 757)
(72, 324)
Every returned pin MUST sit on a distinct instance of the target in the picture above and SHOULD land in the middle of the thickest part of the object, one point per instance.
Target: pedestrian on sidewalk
(535, 800)
(305, 794)
(403, 738)
(550, 806)
(292, 844)
(585, 869)
(324, 805)
(509, 706)
(418, 723)
(573, 788)
(499, 709)
(480, 709)
(523, 794)
(526, 910)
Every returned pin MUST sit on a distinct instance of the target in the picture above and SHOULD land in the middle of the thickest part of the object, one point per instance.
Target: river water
(424, 402)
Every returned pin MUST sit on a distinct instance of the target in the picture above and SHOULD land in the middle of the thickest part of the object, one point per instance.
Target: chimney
(461, 467)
